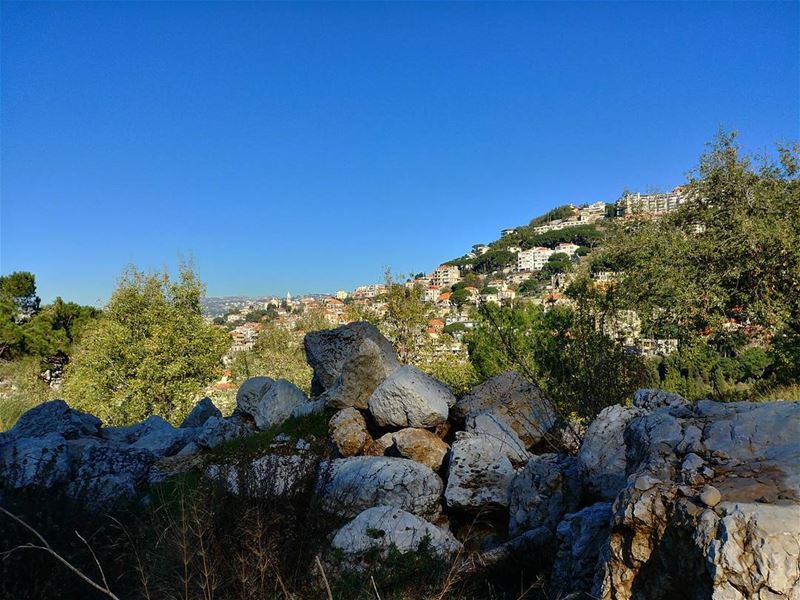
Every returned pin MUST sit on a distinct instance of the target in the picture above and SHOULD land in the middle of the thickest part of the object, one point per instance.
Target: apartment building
(534, 259)
(632, 205)
(445, 275)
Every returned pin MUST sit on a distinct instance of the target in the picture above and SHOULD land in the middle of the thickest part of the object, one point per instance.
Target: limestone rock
(651, 399)
(307, 409)
(545, 490)
(250, 392)
(710, 496)
(579, 540)
(420, 445)
(378, 447)
(35, 461)
(501, 434)
(348, 432)
(410, 398)
(349, 485)
(277, 404)
(55, 416)
(201, 413)
(380, 528)
(361, 373)
(108, 475)
(517, 401)
(602, 452)
(479, 474)
(269, 476)
(328, 350)
(156, 435)
(218, 430)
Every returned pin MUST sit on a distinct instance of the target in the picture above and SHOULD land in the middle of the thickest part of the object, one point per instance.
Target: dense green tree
(405, 320)
(493, 260)
(151, 352)
(277, 353)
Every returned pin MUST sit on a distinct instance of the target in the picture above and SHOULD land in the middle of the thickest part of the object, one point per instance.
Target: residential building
(534, 259)
(445, 275)
(430, 294)
(341, 295)
(567, 248)
(593, 212)
(507, 231)
(657, 347)
(649, 205)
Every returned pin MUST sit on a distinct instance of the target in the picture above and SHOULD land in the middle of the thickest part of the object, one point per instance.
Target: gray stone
(514, 399)
(250, 392)
(41, 461)
(652, 399)
(479, 474)
(269, 476)
(108, 475)
(328, 350)
(545, 490)
(350, 485)
(579, 540)
(381, 528)
(410, 398)
(501, 434)
(201, 413)
(55, 416)
(159, 437)
(218, 430)
(603, 453)
(361, 374)
(278, 403)
(710, 496)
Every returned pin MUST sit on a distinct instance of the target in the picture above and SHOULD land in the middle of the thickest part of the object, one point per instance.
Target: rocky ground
(659, 499)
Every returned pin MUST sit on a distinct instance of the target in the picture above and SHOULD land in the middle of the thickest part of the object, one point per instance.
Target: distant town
(454, 289)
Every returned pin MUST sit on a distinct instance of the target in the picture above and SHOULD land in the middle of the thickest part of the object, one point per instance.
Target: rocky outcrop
(250, 392)
(549, 486)
(277, 404)
(420, 445)
(53, 417)
(327, 351)
(479, 474)
(380, 528)
(217, 430)
(410, 398)
(500, 434)
(520, 403)
(361, 373)
(602, 453)
(347, 430)
(268, 476)
(42, 461)
(201, 413)
(711, 504)
(350, 485)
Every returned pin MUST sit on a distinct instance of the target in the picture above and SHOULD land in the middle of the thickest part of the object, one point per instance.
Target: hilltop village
(533, 263)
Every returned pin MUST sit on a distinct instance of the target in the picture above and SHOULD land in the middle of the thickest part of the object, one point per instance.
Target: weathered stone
(517, 401)
(277, 404)
(201, 413)
(602, 452)
(269, 476)
(218, 430)
(710, 496)
(579, 540)
(410, 398)
(250, 392)
(348, 432)
(361, 373)
(501, 434)
(108, 475)
(381, 528)
(349, 485)
(652, 399)
(55, 416)
(41, 461)
(306, 409)
(328, 350)
(379, 446)
(156, 435)
(479, 474)
(420, 445)
(545, 490)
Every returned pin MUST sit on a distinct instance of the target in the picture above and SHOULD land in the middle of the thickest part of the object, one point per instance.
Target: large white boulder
(410, 398)
(361, 373)
(250, 392)
(277, 404)
(501, 435)
(479, 474)
(514, 399)
(349, 485)
(380, 528)
(328, 350)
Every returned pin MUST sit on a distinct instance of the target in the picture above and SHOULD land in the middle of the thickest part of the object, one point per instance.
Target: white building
(649, 204)
(507, 231)
(341, 295)
(593, 212)
(567, 248)
(445, 275)
(534, 259)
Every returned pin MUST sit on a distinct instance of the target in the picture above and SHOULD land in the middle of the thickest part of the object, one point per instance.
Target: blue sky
(304, 147)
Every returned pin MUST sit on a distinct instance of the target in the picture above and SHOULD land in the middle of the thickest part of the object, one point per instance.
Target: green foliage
(581, 369)
(277, 353)
(21, 388)
(494, 260)
(560, 212)
(460, 297)
(456, 372)
(405, 320)
(149, 353)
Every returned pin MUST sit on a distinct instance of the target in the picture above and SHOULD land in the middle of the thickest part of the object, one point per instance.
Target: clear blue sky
(304, 147)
